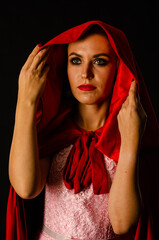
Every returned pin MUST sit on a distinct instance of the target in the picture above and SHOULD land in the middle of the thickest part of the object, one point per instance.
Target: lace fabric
(77, 216)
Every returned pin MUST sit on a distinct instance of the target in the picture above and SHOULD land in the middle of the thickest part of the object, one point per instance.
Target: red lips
(87, 87)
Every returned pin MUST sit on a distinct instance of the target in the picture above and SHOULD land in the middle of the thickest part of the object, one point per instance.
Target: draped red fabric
(16, 220)
(82, 166)
(56, 131)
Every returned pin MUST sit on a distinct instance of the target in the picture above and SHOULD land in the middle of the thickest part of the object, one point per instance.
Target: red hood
(127, 71)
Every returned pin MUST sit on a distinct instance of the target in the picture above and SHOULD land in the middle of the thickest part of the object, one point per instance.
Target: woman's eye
(101, 61)
(75, 61)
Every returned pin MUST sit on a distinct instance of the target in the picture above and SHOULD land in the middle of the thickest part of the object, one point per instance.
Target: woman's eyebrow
(76, 54)
(96, 55)
(101, 54)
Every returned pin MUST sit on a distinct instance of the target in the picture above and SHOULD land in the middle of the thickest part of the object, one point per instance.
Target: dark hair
(95, 29)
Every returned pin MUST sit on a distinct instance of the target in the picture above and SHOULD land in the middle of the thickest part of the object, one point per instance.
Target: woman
(85, 140)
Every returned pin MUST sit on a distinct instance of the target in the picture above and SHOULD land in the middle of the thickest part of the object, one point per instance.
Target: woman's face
(91, 69)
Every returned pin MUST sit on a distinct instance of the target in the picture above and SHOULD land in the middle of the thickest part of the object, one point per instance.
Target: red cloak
(55, 131)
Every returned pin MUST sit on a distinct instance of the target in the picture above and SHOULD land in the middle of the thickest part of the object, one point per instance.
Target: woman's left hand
(125, 212)
(131, 118)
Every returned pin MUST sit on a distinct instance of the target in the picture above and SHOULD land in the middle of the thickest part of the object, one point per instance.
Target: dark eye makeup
(98, 61)
(75, 61)
(101, 61)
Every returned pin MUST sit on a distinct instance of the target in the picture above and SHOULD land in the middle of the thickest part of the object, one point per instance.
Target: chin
(89, 100)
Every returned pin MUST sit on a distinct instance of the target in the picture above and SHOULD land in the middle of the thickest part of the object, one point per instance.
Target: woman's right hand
(32, 78)
(27, 172)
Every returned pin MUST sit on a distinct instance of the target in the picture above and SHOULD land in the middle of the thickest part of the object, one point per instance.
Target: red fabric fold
(16, 218)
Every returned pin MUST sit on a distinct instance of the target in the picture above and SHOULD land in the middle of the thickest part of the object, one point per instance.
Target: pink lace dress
(82, 216)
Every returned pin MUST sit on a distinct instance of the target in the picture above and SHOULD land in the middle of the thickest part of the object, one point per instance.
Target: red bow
(85, 165)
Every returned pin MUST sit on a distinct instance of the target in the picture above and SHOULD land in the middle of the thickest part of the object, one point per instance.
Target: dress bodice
(82, 216)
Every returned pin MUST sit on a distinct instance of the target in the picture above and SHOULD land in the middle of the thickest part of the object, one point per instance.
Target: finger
(31, 57)
(43, 63)
(45, 71)
(125, 104)
(41, 56)
(133, 92)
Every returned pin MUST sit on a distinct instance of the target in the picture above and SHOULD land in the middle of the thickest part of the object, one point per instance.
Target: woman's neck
(91, 117)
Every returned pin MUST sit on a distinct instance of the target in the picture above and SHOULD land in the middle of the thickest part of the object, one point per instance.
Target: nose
(87, 71)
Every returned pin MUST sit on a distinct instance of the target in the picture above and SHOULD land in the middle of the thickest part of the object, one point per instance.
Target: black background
(25, 24)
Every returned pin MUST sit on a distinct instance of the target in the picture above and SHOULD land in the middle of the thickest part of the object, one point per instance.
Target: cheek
(71, 79)
(108, 78)
(73, 76)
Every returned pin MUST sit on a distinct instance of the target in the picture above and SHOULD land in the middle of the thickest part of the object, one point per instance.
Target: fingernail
(39, 45)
